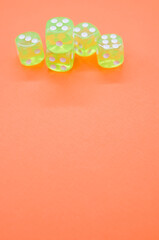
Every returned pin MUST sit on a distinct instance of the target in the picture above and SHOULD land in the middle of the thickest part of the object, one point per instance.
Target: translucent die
(30, 48)
(110, 51)
(60, 62)
(59, 35)
(86, 36)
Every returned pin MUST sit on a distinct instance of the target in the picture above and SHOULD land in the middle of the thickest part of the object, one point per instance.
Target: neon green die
(86, 36)
(60, 62)
(59, 35)
(30, 48)
(110, 52)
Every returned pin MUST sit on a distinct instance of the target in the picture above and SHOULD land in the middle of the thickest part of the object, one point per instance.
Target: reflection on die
(60, 43)
(60, 62)
(110, 51)
(30, 48)
(86, 36)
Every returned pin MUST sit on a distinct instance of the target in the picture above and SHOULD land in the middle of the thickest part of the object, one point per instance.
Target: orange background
(79, 151)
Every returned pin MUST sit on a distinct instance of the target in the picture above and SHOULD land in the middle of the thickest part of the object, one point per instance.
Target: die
(86, 36)
(29, 48)
(110, 51)
(60, 62)
(59, 35)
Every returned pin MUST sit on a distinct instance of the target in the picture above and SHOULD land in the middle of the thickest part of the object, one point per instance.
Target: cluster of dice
(63, 40)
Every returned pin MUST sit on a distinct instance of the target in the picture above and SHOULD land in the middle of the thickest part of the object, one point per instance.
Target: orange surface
(79, 151)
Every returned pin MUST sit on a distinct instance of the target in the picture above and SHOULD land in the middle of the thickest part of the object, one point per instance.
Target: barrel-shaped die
(30, 48)
(110, 51)
(86, 36)
(59, 35)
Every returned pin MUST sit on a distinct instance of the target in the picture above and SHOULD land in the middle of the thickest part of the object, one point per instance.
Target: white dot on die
(106, 55)
(52, 59)
(59, 24)
(65, 20)
(63, 67)
(105, 41)
(52, 28)
(37, 51)
(28, 61)
(92, 29)
(104, 37)
(35, 40)
(115, 45)
(77, 29)
(84, 34)
(59, 43)
(53, 67)
(76, 43)
(106, 46)
(22, 36)
(116, 62)
(85, 24)
(63, 59)
(54, 20)
(28, 38)
(114, 40)
(80, 45)
(72, 55)
(64, 28)
(113, 36)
